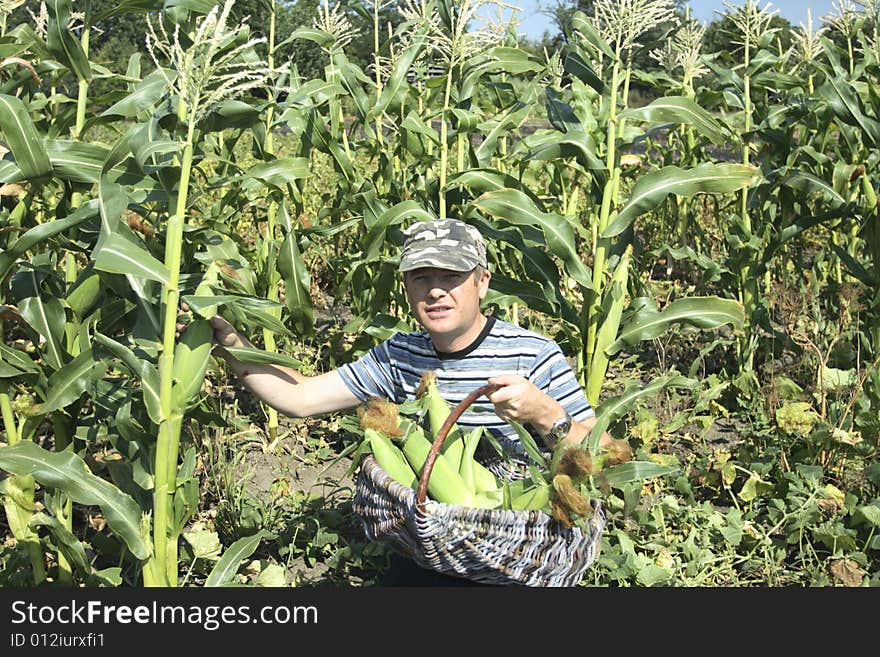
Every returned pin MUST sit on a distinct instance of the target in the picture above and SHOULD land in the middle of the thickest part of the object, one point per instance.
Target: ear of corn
(536, 496)
(211, 277)
(437, 411)
(444, 484)
(488, 500)
(466, 468)
(484, 480)
(869, 196)
(390, 459)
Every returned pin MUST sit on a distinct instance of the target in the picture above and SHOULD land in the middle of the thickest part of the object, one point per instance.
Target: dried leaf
(847, 572)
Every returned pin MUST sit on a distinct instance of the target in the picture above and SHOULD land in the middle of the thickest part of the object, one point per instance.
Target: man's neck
(452, 343)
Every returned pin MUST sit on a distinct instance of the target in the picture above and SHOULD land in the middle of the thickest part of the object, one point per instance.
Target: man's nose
(436, 290)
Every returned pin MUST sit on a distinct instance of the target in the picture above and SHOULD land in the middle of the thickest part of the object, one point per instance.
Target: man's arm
(283, 388)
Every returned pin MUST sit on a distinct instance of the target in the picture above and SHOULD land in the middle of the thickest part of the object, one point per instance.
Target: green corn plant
(599, 319)
(752, 32)
(842, 19)
(208, 73)
(75, 55)
(33, 164)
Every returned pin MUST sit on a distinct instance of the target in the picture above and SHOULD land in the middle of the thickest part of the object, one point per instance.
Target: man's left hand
(521, 400)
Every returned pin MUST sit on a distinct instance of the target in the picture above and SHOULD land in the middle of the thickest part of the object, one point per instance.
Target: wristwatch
(560, 429)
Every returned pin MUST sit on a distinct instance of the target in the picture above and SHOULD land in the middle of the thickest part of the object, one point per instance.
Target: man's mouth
(437, 311)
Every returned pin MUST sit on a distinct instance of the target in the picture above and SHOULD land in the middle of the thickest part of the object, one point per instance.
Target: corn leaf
(140, 368)
(297, 282)
(396, 87)
(67, 472)
(261, 357)
(67, 384)
(582, 25)
(504, 59)
(855, 268)
(144, 97)
(652, 188)
(574, 144)
(46, 317)
(506, 291)
(501, 59)
(277, 173)
(847, 106)
(311, 95)
(227, 566)
(576, 65)
(317, 135)
(614, 408)
(485, 180)
(678, 109)
(528, 443)
(625, 473)
(231, 114)
(315, 35)
(646, 322)
(40, 233)
(62, 43)
(23, 140)
(413, 124)
(78, 162)
(17, 359)
(807, 184)
(69, 545)
(513, 206)
(121, 256)
(200, 302)
(394, 215)
(499, 127)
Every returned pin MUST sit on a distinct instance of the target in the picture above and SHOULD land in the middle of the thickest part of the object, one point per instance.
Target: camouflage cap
(443, 243)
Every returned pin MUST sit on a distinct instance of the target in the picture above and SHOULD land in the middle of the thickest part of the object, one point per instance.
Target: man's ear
(484, 283)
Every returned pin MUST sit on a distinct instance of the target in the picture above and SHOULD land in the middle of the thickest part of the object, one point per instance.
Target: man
(446, 276)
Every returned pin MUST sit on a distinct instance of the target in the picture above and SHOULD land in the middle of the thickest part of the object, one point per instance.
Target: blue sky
(534, 23)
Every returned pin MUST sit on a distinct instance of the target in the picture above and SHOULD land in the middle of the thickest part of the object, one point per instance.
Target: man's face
(445, 302)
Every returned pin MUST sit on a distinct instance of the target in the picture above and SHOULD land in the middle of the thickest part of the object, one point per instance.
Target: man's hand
(521, 400)
(225, 334)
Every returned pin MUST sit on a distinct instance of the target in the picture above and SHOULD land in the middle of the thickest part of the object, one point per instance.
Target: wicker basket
(493, 546)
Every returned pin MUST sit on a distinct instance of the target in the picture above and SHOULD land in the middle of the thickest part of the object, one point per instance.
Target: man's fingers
(219, 322)
(502, 395)
(506, 379)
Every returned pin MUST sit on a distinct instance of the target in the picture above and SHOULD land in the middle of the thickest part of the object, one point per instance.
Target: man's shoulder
(417, 342)
(507, 331)
(408, 337)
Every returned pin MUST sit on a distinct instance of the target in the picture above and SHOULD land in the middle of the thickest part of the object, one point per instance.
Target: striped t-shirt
(393, 369)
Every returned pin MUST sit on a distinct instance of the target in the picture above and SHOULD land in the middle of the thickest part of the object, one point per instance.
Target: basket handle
(422, 492)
